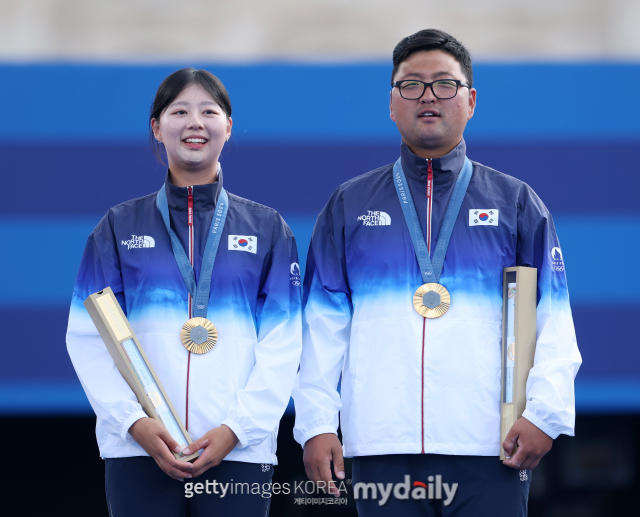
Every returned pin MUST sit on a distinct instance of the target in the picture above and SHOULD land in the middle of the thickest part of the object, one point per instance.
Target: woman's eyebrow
(185, 103)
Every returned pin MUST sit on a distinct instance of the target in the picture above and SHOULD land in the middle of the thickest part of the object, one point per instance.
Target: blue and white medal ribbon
(431, 300)
(198, 335)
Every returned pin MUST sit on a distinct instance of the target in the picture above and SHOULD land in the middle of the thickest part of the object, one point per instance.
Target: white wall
(167, 30)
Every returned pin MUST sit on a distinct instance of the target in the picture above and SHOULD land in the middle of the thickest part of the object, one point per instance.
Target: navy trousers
(439, 485)
(137, 487)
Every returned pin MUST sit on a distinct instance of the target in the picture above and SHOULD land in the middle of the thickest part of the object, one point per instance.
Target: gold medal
(431, 300)
(199, 335)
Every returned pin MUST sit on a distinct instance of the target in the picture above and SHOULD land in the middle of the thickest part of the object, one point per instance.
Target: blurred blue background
(74, 142)
(557, 108)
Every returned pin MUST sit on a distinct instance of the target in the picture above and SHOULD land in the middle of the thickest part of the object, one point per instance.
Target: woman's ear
(155, 125)
(229, 125)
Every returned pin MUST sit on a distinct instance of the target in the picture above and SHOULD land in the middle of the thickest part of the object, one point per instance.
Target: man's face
(430, 125)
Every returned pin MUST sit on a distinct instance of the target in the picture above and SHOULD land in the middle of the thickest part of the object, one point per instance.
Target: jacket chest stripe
(424, 320)
(190, 223)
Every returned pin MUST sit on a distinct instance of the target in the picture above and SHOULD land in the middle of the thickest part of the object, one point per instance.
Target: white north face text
(375, 218)
(142, 241)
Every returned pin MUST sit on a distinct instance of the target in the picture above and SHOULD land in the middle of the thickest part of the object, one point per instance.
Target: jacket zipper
(424, 320)
(190, 223)
(429, 201)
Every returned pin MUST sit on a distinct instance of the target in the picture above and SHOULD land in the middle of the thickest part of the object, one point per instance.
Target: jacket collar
(445, 169)
(205, 196)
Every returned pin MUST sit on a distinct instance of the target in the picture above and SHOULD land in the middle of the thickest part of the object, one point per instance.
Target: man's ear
(391, 106)
(472, 102)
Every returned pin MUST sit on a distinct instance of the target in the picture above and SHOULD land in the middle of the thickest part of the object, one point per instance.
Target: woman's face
(193, 130)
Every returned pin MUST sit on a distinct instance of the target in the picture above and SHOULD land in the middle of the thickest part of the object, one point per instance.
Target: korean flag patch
(483, 217)
(243, 243)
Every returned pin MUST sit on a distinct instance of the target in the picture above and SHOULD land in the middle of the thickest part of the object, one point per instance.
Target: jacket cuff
(131, 419)
(323, 429)
(540, 424)
(243, 439)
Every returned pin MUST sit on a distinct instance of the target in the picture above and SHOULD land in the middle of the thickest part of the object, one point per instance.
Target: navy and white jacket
(245, 382)
(411, 385)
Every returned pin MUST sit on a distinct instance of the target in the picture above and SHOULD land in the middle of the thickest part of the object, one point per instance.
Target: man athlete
(421, 397)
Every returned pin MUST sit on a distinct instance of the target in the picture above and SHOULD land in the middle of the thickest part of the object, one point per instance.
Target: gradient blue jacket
(245, 382)
(411, 385)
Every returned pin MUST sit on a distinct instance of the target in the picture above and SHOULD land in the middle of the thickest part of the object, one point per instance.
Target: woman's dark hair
(174, 84)
(433, 39)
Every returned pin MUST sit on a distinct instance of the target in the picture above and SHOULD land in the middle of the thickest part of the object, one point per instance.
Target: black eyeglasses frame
(430, 85)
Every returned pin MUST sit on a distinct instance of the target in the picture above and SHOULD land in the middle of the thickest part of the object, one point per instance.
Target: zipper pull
(429, 202)
(429, 178)
(190, 204)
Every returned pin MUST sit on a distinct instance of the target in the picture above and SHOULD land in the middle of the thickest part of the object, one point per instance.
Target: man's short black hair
(433, 39)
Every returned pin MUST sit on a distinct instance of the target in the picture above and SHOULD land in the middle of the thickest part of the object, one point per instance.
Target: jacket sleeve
(109, 395)
(327, 313)
(259, 406)
(550, 386)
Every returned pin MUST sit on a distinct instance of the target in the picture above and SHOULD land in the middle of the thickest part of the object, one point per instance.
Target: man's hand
(217, 443)
(533, 444)
(154, 438)
(319, 452)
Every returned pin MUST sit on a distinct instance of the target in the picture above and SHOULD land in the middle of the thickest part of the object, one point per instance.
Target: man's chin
(429, 140)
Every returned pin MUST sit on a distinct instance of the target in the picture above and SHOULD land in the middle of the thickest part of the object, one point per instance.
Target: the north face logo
(375, 218)
(142, 241)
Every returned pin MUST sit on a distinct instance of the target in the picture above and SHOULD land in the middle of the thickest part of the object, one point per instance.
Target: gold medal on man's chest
(199, 335)
(431, 300)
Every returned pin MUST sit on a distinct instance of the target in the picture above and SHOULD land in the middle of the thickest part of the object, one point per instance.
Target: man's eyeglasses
(412, 89)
